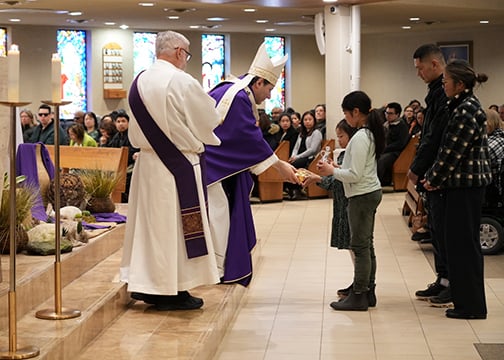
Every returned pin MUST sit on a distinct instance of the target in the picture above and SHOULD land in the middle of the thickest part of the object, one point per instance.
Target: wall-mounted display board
(113, 72)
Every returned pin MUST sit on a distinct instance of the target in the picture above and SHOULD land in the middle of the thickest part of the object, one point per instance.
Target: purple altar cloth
(26, 164)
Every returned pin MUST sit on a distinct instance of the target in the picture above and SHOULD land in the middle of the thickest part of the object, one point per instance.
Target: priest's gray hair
(167, 41)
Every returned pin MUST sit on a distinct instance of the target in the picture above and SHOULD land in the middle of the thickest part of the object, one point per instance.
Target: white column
(342, 59)
(355, 48)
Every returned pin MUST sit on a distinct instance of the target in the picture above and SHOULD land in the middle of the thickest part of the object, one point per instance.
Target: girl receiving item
(362, 188)
(340, 232)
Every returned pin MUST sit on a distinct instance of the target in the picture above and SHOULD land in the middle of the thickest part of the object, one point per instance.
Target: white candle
(13, 74)
(56, 78)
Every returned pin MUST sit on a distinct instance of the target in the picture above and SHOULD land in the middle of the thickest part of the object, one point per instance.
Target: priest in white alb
(168, 248)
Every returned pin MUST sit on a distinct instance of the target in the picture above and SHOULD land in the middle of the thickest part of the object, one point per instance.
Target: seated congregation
(306, 137)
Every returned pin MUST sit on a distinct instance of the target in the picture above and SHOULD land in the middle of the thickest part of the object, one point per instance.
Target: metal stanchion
(59, 312)
(13, 352)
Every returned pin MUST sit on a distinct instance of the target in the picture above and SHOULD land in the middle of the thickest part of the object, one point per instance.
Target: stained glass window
(3, 41)
(72, 51)
(275, 46)
(212, 60)
(144, 50)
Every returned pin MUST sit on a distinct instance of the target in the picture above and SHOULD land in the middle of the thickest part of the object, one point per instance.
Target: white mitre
(265, 67)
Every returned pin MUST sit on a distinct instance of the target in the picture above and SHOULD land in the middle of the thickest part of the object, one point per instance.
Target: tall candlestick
(13, 74)
(56, 78)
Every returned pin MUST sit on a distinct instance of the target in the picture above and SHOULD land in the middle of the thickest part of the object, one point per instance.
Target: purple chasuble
(26, 164)
(182, 171)
(242, 146)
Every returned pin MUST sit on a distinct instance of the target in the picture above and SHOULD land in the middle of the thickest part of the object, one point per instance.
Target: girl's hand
(325, 168)
(309, 178)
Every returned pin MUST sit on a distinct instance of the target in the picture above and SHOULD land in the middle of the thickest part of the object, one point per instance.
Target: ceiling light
(406, 27)
(79, 21)
(109, 23)
(173, 17)
(414, 19)
(269, 30)
(15, 20)
(124, 26)
(484, 22)
(216, 18)
(75, 13)
(179, 11)
(33, 11)
(250, 10)
(146, 4)
(194, 27)
(212, 26)
(261, 21)
(329, 1)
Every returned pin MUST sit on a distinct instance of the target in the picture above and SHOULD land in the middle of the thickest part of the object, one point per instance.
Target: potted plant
(99, 185)
(25, 199)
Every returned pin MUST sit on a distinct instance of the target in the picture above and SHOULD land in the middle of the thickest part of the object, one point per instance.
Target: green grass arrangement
(25, 199)
(99, 183)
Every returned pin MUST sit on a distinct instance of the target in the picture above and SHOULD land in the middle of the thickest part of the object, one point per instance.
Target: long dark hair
(304, 131)
(92, 115)
(360, 100)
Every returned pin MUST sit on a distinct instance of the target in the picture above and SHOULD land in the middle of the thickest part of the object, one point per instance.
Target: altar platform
(108, 315)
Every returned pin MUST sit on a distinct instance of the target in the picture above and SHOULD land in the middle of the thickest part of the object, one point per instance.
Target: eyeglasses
(188, 54)
(43, 114)
(389, 113)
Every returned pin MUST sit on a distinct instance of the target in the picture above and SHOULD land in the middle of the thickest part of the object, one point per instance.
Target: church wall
(388, 73)
(37, 43)
(387, 66)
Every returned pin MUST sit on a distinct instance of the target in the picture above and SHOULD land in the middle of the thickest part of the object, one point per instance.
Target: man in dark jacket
(397, 138)
(44, 132)
(430, 64)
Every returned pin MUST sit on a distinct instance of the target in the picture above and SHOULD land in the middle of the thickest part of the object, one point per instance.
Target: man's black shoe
(442, 300)
(454, 314)
(432, 290)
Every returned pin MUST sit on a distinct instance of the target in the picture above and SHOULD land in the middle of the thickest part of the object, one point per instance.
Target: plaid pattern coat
(463, 158)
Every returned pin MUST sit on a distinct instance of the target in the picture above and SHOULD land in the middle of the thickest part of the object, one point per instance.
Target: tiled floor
(286, 313)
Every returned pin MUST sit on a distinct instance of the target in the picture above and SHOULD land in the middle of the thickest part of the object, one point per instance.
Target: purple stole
(26, 164)
(182, 171)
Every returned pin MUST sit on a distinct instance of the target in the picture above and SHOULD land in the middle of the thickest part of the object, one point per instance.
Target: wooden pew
(313, 190)
(403, 163)
(413, 207)
(103, 158)
(270, 182)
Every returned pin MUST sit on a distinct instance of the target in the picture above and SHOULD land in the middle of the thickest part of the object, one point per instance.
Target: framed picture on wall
(457, 50)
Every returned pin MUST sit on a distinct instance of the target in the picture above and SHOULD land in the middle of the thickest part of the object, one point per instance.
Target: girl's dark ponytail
(375, 123)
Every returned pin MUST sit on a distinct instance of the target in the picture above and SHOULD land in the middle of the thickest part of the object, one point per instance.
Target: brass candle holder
(13, 352)
(59, 312)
